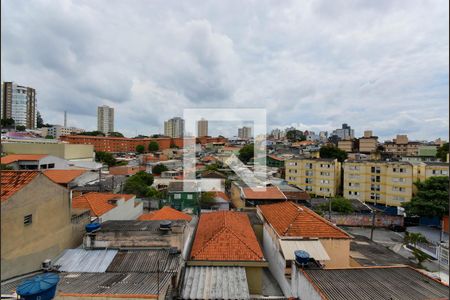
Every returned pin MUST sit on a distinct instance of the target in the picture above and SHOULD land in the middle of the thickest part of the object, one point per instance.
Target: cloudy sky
(380, 65)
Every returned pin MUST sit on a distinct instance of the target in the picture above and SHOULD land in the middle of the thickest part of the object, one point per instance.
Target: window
(374, 196)
(308, 188)
(356, 168)
(398, 179)
(309, 173)
(325, 173)
(324, 189)
(375, 170)
(177, 196)
(43, 166)
(324, 181)
(189, 196)
(375, 187)
(308, 180)
(375, 178)
(51, 166)
(28, 219)
(308, 166)
(292, 163)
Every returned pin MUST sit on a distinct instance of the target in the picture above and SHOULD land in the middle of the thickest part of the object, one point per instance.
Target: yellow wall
(254, 279)
(24, 247)
(62, 150)
(297, 169)
(339, 252)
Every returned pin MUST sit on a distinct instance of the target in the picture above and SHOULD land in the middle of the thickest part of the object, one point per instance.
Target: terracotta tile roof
(63, 176)
(225, 236)
(276, 157)
(290, 219)
(98, 202)
(165, 213)
(270, 192)
(13, 181)
(17, 157)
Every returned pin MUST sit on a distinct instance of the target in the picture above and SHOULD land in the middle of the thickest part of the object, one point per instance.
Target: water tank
(40, 287)
(92, 227)
(165, 225)
(301, 257)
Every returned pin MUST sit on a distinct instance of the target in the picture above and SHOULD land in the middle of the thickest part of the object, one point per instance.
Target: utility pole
(100, 179)
(329, 209)
(373, 223)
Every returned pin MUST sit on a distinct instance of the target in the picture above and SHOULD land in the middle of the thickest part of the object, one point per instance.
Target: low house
(289, 227)
(294, 193)
(37, 221)
(138, 234)
(165, 213)
(184, 195)
(270, 161)
(227, 239)
(107, 206)
(402, 283)
(125, 170)
(71, 178)
(244, 196)
(34, 162)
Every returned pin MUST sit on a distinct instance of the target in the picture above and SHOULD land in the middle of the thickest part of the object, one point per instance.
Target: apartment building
(105, 119)
(425, 170)
(58, 130)
(202, 127)
(174, 127)
(19, 103)
(379, 182)
(245, 133)
(401, 146)
(347, 145)
(368, 143)
(319, 176)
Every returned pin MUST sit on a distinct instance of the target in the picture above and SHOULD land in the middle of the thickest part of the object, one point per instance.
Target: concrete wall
(366, 220)
(302, 287)
(254, 279)
(24, 247)
(125, 210)
(339, 252)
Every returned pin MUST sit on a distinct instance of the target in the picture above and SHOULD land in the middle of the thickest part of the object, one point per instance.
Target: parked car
(397, 228)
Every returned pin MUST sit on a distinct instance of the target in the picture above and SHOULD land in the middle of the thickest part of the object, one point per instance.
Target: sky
(381, 65)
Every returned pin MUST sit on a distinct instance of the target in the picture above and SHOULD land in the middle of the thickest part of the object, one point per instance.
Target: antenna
(65, 118)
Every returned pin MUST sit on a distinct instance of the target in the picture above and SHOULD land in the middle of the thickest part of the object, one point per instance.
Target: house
(34, 162)
(402, 283)
(184, 195)
(165, 213)
(125, 170)
(138, 234)
(108, 206)
(244, 196)
(71, 178)
(289, 227)
(294, 193)
(227, 239)
(270, 161)
(37, 221)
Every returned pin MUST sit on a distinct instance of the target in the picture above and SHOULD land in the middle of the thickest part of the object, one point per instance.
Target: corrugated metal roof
(313, 247)
(113, 283)
(145, 261)
(401, 283)
(215, 283)
(135, 225)
(80, 260)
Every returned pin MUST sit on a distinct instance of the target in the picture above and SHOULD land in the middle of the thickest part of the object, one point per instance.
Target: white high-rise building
(245, 132)
(19, 103)
(105, 119)
(202, 127)
(174, 127)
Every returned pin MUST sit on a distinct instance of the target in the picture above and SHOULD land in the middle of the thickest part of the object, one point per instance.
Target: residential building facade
(402, 146)
(320, 176)
(105, 119)
(19, 103)
(58, 130)
(378, 182)
(174, 127)
(368, 143)
(202, 127)
(245, 132)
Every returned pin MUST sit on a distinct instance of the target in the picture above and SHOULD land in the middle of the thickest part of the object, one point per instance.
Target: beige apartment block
(425, 170)
(61, 150)
(368, 143)
(317, 176)
(346, 145)
(379, 182)
(401, 146)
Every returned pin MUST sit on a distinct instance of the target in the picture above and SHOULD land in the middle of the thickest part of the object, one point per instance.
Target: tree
(246, 153)
(159, 168)
(333, 152)
(431, 198)
(49, 137)
(20, 128)
(106, 158)
(338, 204)
(138, 184)
(212, 167)
(414, 238)
(7, 122)
(153, 146)
(92, 133)
(6, 167)
(442, 152)
(154, 193)
(295, 135)
(115, 134)
(140, 149)
(207, 198)
(39, 120)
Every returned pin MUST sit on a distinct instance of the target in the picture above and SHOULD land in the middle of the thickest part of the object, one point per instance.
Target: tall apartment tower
(105, 119)
(19, 103)
(202, 127)
(245, 132)
(174, 127)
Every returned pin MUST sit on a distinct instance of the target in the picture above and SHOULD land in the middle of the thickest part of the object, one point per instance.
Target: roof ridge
(299, 209)
(236, 235)
(208, 242)
(312, 213)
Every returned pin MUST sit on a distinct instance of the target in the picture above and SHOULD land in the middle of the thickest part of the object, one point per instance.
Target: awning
(313, 247)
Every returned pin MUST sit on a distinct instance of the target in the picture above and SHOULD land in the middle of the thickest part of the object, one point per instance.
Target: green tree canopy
(20, 128)
(330, 151)
(6, 167)
(106, 158)
(153, 146)
(159, 168)
(431, 198)
(295, 135)
(115, 134)
(39, 120)
(442, 152)
(207, 198)
(140, 149)
(246, 153)
(154, 193)
(92, 133)
(7, 122)
(49, 137)
(138, 184)
(338, 204)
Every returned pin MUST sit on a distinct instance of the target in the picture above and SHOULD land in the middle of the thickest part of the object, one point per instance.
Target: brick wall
(365, 220)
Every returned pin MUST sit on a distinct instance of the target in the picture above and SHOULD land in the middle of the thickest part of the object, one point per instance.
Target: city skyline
(349, 67)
